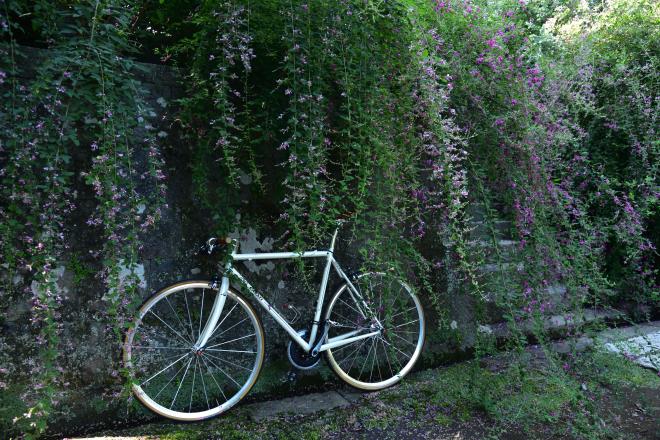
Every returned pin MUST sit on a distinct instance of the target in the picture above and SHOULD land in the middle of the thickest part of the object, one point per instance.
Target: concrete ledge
(307, 404)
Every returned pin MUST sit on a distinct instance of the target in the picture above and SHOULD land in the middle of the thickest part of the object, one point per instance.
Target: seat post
(334, 237)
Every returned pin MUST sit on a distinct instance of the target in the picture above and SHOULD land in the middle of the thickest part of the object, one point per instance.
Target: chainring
(298, 357)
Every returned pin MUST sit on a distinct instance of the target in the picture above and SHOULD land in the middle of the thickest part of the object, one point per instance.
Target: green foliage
(82, 95)
(582, 401)
(402, 114)
(81, 271)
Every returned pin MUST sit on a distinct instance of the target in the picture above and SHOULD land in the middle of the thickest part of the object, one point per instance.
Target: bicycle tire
(382, 349)
(166, 323)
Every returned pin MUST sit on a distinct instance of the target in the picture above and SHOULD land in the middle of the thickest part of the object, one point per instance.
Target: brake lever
(210, 245)
(207, 247)
(213, 243)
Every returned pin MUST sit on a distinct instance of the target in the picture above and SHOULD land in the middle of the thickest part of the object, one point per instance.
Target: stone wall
(90, 355)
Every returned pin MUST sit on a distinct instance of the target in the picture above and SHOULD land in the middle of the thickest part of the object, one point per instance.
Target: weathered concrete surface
(556, 323)
(642, 343)
(306, 404)
(619, 334)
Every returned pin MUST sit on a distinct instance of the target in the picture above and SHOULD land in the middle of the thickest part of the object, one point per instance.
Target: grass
(574, 400)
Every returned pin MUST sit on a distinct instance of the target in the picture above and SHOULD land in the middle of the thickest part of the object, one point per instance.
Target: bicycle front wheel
(172, 378)
(382, 360)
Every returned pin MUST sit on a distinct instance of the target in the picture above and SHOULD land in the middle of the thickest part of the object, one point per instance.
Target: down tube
(271, 310)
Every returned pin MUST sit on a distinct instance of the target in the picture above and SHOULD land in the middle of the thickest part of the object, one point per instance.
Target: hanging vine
(407, 115)
(82, 97)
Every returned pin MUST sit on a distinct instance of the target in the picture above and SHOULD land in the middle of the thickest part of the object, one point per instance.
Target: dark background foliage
(423, 119)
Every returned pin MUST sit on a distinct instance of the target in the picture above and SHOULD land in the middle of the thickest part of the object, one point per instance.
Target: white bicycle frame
(312, 344)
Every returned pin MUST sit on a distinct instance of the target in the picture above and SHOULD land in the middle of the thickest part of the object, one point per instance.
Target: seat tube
(216, 311)
(319, 305)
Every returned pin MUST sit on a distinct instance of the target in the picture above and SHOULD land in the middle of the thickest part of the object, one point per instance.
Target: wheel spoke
(176, 315)
(361, 343)
(224, 372)
(409, 332)
(230, 351)
(394, 347)
(407, 323)
(375, 345)
(181, 383)
(376, 362)
(351, 307)
(404, 311)
(387, 356)
(214, 380)
(404, 340)
(233, 340)
(168, 326)
(192, 391)
(371, 290)
(171, 375)
(201, 375)
(223, 320)
(356, 325)
(227, 329)
(169, 381)
(380, 299)
(145, 382)
(229, 362)
(185, 297)
(366, 359)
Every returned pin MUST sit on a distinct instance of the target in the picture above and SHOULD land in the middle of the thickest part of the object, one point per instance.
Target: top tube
(280, 255)
(283, 255)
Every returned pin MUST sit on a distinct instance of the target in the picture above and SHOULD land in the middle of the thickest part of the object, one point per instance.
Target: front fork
(216, 311)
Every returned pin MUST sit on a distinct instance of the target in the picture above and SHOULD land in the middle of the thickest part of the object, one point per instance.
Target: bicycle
(206, 336)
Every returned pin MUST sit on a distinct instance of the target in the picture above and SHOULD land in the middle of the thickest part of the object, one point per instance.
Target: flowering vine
(84, 82)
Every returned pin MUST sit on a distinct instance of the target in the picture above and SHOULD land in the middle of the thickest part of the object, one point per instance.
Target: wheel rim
(175, 381)
(382, 360)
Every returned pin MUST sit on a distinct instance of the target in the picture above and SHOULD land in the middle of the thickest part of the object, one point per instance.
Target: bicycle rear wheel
(382, 360)
(173, 379)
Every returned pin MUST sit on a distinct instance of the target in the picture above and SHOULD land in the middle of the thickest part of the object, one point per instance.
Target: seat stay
(358, 300)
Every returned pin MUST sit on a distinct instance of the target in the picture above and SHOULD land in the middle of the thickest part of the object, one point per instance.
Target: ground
(591, 395)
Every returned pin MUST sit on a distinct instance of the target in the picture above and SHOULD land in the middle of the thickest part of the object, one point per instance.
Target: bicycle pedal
(291, 376)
